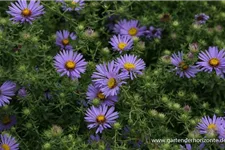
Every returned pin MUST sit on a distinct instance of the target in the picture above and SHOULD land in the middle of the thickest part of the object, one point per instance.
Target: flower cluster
(209, 61)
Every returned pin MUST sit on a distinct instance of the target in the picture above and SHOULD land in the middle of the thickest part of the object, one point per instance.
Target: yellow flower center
(26, 12)
(70, 65)
(73, 3)
(6, 120)
(100, 119)
(129, 66)
(65, 42)
(101, 96)
(5, 147)
(212, 126)
(133, 31)
(183, 66)
(122, 45)
(112, 83)
(214, 62)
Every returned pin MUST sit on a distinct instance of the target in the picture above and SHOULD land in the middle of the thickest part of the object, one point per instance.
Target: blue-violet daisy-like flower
(63, 39)
(22, 92)
(182, 68)
(118, 26)
(8, 143)
(201, 18)
(7, 90)
(109, 78)
(72, 5)
(131, 64)
(213, 59)
(101, 117)
(153, 32)
(95, 92)
(208, 124)
(22, 12)
(132, 28)
(121, 43)
(70, 63)
(6, 122)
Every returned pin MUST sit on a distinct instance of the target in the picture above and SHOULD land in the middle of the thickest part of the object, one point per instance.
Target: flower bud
(29, 125)
(176, 106)
(153, 113)
(117, 126)
(26, 111)
(56, 130)
(175, 23)
(181, 93)
(161, 116)
(165, 99)
(47, 146)
(96, 102)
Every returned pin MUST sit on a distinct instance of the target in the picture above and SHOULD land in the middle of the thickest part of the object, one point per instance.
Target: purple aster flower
(70, 63)
(64, 38)
(7, 122)
(213, 59)
(208, 124)
(201, 18)
(8, 143)
(72, 5)
(7, 90)
(132, 28)
(22, 12)
(187, 147)
(22, 92)
(101, 117)
(119, 25)
(182, 68)
(131, 64)
(121, 43)
(153, 32)
(111, 20)
(109, 78)
(94, 139)
(95, 92)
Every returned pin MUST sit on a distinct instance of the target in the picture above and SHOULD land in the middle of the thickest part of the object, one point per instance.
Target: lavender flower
(95, 92)
(201, 18)
(153, 32)
(8, 143)
(182, 68)
(131, 64)
(22, 92)
(22, 12)
(7, 90)
(121, 43)
(210, 125)
(109, 79)
(132, 28)
(64, 38)
(7, 122)
(213, 59)
(72, 5)
(70, 63)
(101, 118)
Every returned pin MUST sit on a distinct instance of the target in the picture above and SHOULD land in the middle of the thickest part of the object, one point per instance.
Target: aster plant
(7, 122)
(8, 142)
(208, 125)
(201, 18)
(131, 28)
(7, 90)
(212, 59)
(70, 63)
(72, 5)
(101, 117)
(183, 69)
(121, 43)
(63, 39)
(22, 12)
(109, 78)
(95, 92)
(153, 33)
(131, 64)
